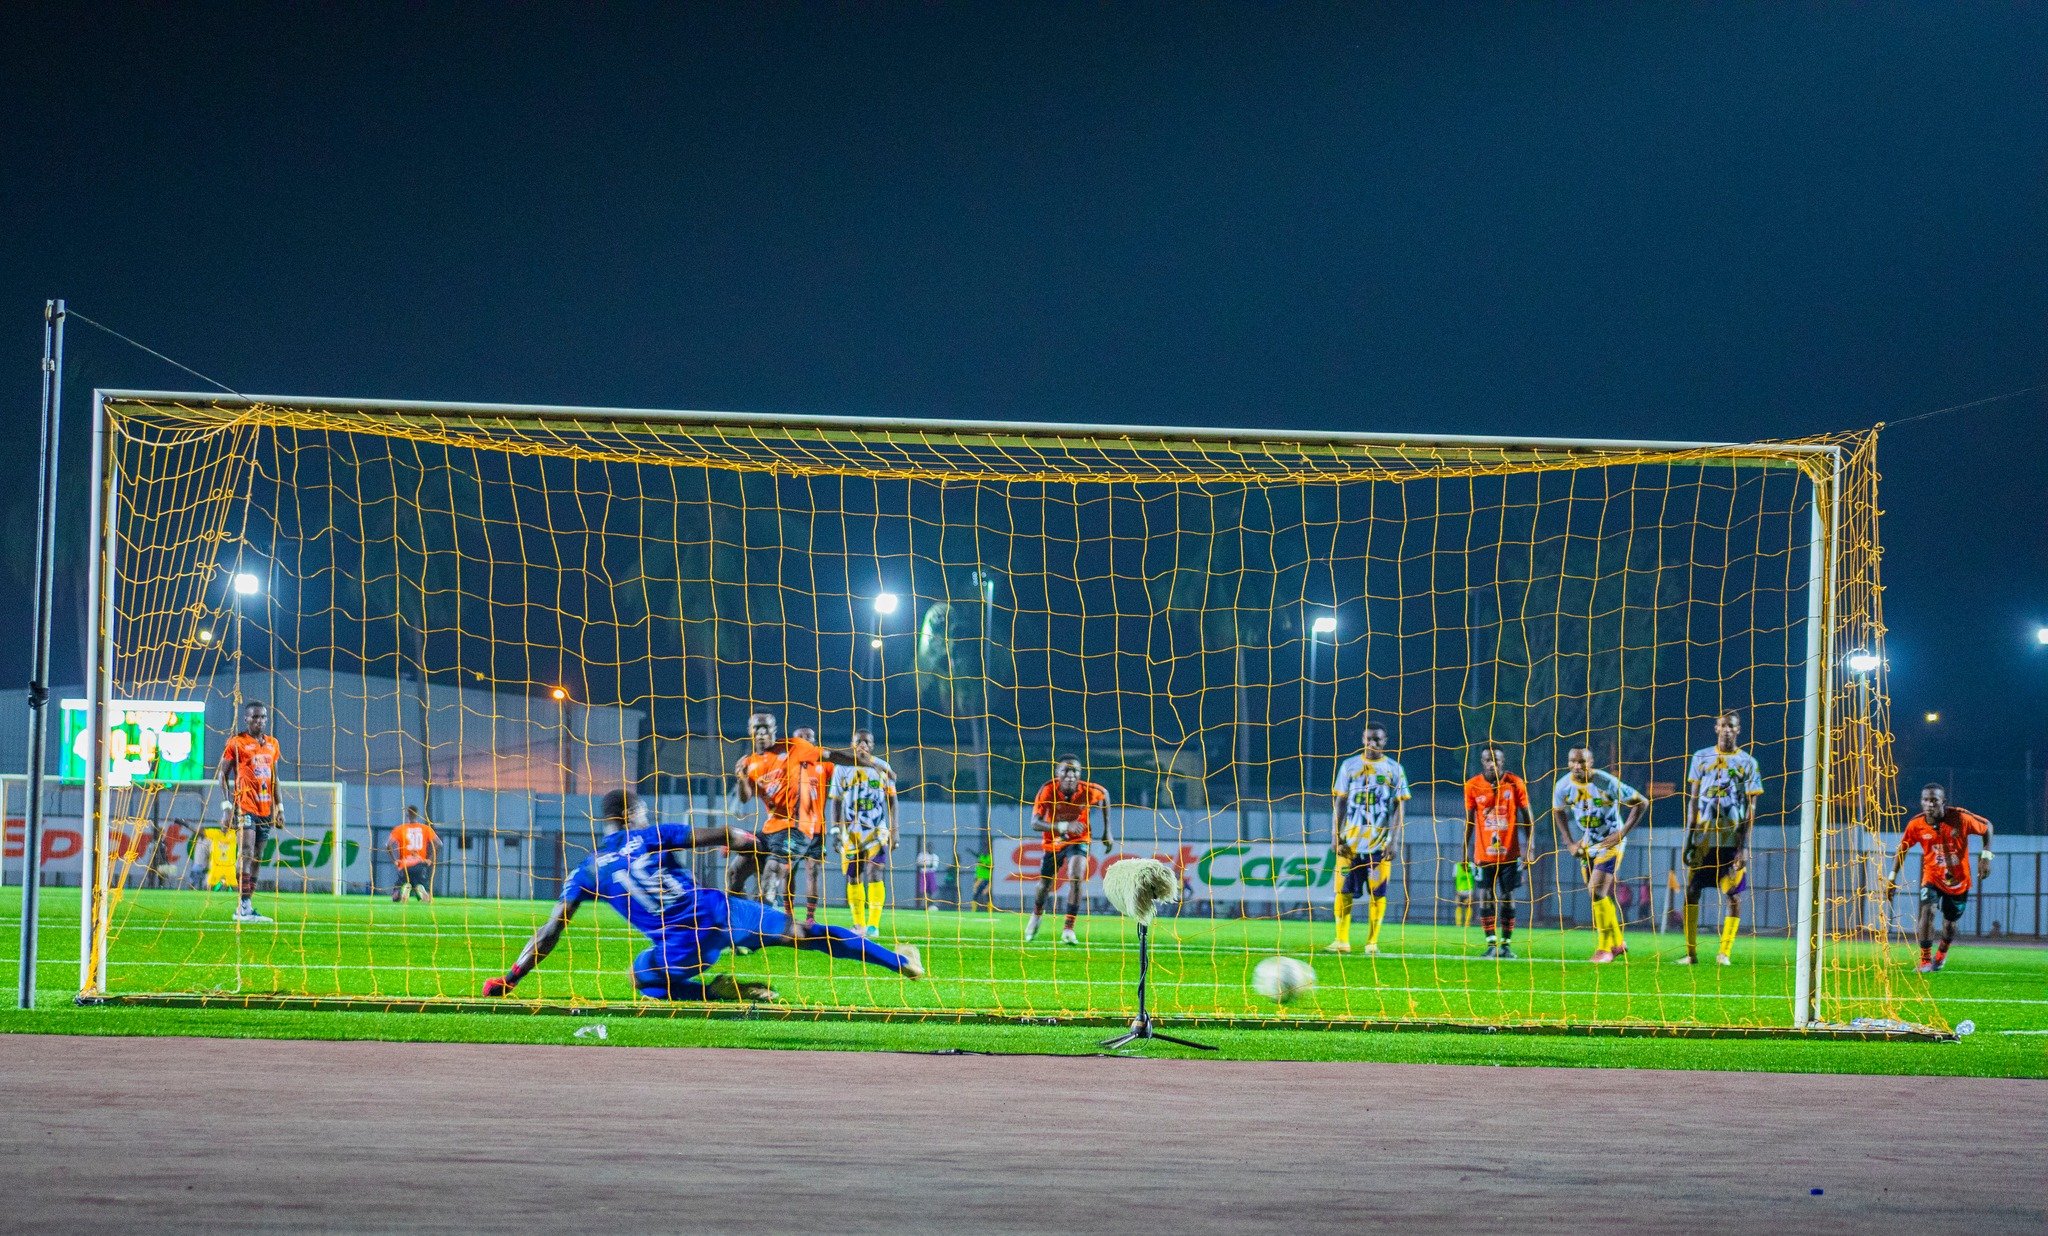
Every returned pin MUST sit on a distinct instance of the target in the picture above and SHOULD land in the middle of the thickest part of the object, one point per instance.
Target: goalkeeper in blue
(641, 871)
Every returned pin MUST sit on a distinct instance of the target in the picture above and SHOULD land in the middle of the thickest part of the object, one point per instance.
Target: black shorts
(792, 844)
(1368, 873)
(1049, 866)
(1716, 868)
(1499, 879)
(1951, 903)
(419, 875)
(260, 825)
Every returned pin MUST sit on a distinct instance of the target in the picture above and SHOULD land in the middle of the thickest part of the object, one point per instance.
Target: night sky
(1710, 222)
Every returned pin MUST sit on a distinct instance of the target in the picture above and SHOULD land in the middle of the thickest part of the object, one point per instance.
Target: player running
(1498, 824)
(1943, 834)
(641, 871)
(1721, 791)
(1061, 809)
(864, 823)
(248, 780)
(415, 848)
(1368, 807)
(1587, 810)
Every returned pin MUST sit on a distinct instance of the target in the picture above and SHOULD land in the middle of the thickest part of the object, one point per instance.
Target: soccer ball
(1281, 979)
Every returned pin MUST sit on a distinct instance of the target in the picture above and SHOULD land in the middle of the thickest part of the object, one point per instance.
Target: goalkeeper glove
(498, 987)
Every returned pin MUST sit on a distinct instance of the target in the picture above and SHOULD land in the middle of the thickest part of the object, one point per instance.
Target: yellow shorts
(1607, 860)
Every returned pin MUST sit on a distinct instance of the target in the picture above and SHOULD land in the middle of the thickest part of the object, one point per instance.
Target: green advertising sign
(147, 740)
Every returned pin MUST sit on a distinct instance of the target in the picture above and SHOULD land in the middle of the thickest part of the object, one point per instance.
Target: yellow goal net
(1305, 670)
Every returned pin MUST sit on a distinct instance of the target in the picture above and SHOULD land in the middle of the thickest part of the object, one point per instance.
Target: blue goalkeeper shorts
(672, 967)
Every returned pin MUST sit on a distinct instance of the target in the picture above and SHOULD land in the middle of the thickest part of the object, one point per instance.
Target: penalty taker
(639, 870)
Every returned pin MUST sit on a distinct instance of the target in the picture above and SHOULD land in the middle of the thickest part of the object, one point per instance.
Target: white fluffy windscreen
(1139, 886)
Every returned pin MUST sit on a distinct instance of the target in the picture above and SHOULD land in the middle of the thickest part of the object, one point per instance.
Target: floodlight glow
(1863, 661)
(886, 602)
(206, 635)
(1324, 624)
(559, 693)
(1933, 717)
(876, 643)
(247, 585)
(2041, 636)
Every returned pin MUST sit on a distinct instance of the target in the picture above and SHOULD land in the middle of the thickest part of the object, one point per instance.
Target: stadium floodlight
(887, 603)
(1324, 624)
(875, 643)
(246, 584)
(206, 635)
(559, 694)
(1863, 661)
(1933, 717)
(2041, 636)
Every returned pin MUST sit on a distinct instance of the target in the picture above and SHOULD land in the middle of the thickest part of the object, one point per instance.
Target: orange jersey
(1945, 848)
(1496, 808)
(777, 776)
(414, 842)
(815, 786)
(255, 761)
(1053, 809)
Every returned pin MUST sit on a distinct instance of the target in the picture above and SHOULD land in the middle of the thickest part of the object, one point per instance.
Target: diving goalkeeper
(640, 871)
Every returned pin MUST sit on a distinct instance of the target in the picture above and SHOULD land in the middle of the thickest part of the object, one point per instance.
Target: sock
(1070, 920)
(1692, 928)
(1728, 925)
(1942, 951)
(1375, 914)
(857, 901)
(1343, 918)
(1507, 925)
(852, 946)
(810, 909)
(878, 896)
(1600, 935)
(1616, 939)
(1487, 923)
(1926, 950)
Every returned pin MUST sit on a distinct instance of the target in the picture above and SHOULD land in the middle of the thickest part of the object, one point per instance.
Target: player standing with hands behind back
(1061, 809)
(1721, 791)
(248, 779)
(1497, 825)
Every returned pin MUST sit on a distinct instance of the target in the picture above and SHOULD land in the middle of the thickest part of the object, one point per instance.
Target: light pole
(562, 702)
(1863, 665)
(885, 604)
(1321, 627)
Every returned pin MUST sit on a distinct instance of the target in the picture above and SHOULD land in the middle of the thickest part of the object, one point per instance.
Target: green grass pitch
(323, 945)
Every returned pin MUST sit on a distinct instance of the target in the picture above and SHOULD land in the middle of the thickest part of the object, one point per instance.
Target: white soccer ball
(1281, 979)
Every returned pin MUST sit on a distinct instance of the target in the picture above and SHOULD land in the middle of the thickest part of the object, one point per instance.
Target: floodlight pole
(39, 672)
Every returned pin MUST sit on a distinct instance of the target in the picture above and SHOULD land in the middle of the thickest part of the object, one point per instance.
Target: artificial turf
(166, 941)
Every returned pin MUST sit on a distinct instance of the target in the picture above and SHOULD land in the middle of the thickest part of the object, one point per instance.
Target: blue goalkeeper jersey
(642, 874)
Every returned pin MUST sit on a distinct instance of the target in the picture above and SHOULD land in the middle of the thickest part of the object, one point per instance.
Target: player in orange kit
(248, 777)
(1943, 834)
(1497, 824)
(415, 847)
(1061, 809)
